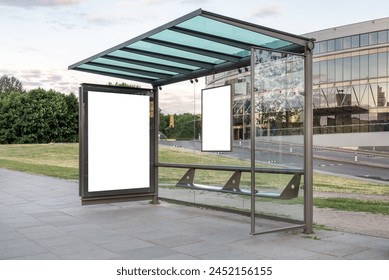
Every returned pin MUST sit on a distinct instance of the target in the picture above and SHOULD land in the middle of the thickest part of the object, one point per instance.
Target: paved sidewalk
(41, 218)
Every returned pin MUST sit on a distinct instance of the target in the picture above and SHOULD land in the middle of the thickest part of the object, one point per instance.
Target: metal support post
(308, 141)
(156, 145)
(252, 136)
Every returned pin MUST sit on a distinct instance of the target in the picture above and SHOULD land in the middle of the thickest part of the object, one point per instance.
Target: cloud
(38, 3)
(268, 10)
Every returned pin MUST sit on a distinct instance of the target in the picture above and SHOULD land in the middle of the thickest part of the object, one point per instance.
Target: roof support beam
(191, 62)
(177, 70)
(127, 77)
(205, 72)
(209, 53)
(131, 70)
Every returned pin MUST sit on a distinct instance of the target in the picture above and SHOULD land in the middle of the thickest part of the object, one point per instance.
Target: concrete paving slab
(42, 218)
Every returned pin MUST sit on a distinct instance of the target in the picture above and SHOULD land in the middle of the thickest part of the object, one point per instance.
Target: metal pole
(156, 145)
(308, 141)
(252, 135)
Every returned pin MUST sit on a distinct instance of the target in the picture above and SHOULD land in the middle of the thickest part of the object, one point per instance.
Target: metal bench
(233, 184)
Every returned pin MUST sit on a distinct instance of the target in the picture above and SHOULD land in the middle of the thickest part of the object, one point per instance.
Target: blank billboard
(216, 119)
(118, 141)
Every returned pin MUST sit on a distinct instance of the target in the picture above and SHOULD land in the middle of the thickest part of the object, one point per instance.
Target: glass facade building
(351, 79)
(350, 85)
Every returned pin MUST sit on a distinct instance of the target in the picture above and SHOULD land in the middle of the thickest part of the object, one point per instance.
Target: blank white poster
(216, 119)
(118, 141)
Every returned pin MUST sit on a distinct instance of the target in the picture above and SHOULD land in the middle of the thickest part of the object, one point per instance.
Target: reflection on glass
(364, 66)
(355, 67)
(372, 65)
(347, 68)
(323, 71)
(382, 64)
(279, 111)
(279, 89)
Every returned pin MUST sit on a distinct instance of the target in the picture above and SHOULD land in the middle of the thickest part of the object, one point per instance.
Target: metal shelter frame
(199, 44)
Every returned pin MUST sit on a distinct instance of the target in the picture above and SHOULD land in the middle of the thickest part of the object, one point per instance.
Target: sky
(41, 38)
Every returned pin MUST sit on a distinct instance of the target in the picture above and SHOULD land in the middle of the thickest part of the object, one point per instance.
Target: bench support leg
(233, 183)
(292, 189)
(187, 179)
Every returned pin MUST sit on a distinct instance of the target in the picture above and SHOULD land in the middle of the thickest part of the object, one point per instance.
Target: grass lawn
(56, 160)
(61, 160)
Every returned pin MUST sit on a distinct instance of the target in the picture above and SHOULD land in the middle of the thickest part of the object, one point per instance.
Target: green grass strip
(354, 205)
(48, 170)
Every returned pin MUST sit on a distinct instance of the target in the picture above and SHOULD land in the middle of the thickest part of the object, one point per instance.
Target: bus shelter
(120, 126)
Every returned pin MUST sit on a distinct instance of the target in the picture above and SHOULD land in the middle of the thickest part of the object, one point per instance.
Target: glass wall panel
(364, 95)
(383, 37)
(382, 94)
(316, 73)
(323, 98)
(364, 66)
(323, 71)
(279, 95)
(347, 68)
(364, 40)
(339, 69)
(331, 70)
(382, 64)
(331, 45)
(338, 44)
(373, 65)
(355, 67)
(355, 41)
(180, 144)
(324, 47)
(346, 42)
(373, 38)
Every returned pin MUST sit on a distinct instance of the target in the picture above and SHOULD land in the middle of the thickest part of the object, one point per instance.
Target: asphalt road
(360, 164)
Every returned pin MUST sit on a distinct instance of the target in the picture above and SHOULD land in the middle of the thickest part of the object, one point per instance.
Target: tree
(10, 84)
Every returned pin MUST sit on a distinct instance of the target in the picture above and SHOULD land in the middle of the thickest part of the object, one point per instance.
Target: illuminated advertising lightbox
(216, 119)
(118, 141)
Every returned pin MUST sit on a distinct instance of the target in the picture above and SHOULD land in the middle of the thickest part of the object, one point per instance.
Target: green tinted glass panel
(107, 70)
(217, 28)
(133, 66)
(150, 59)
(184, 39)
(173, 52)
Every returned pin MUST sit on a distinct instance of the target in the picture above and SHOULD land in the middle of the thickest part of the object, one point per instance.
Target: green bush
(38, 116)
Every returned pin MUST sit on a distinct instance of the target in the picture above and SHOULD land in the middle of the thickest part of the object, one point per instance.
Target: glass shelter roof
(198, 44)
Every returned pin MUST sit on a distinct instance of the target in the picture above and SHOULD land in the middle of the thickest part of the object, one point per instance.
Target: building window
(364, 40)
(339, 70)
(323, 71)
(373, 65)
(346, 43)
(364, 66)
(338, 44)
(355, 41)
(331, 70)
(382, 64)
(383, 37)
(331, 45)
(347, 68)
(373, 38)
